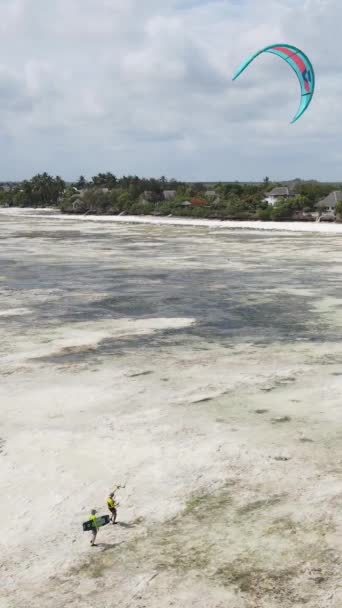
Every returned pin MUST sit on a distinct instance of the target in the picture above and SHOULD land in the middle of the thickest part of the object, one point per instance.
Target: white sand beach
(321, 227)
(200, 368)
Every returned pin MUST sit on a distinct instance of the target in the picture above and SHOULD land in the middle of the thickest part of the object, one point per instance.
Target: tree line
(108, 194)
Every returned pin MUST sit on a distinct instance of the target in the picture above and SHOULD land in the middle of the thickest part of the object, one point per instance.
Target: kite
(299, 62)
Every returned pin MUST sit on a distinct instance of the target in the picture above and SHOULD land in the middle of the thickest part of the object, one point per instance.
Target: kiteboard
(100, 521)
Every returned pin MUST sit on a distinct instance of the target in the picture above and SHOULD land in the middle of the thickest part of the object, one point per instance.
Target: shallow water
(239, 286)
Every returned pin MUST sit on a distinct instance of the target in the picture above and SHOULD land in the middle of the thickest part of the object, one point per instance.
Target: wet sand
(203, 368)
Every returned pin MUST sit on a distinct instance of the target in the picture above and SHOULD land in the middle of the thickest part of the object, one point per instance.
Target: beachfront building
(213, 196)
(149, 196)
(198, 201)
(327, 206)
(84, 191)
(169, 195)
(276, 195)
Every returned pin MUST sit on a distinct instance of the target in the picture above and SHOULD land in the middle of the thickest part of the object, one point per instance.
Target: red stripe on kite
(295, 58)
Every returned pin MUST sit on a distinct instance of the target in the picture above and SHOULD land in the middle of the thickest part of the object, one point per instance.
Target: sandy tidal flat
(200, 368)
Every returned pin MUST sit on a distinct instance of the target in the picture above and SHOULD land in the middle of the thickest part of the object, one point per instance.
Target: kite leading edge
(299, 62)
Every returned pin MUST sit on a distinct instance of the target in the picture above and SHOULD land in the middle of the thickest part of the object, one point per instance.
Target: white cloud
(145, 87)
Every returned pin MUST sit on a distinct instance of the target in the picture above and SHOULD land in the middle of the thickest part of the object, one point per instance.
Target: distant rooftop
(280, 191)
(330, 200)
(169, 194)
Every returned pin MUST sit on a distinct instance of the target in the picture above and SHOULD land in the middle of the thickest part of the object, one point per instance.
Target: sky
(145, 87)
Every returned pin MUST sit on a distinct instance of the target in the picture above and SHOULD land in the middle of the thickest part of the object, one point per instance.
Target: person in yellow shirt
(112, 505)
(92, 517)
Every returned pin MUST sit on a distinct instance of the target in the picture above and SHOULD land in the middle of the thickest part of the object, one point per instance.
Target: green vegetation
(106, 194)
(339, 211)
(208, 505)
(257, 582)
(40, 191)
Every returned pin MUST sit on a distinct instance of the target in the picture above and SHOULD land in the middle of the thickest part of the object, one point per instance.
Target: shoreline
(311, 227)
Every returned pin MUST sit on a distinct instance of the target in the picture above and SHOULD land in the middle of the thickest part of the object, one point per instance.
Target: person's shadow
(127, 526)
(108, 546)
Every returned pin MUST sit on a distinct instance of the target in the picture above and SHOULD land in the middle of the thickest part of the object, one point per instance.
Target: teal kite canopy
(299, 62)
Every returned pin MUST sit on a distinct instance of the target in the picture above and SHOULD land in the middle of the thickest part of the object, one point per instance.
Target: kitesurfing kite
(299, 62)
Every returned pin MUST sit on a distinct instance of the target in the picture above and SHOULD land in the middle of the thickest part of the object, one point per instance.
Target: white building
(277, 194)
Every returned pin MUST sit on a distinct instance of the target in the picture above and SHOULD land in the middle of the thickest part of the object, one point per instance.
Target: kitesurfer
(92, 517)
(112, 505)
